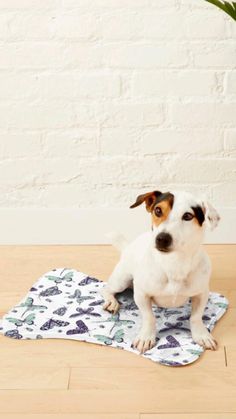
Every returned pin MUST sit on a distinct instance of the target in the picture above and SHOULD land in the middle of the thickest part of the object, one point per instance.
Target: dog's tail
(118, 240)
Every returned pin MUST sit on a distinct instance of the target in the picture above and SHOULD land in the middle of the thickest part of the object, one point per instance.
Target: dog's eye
(158, 211)
(187, 216)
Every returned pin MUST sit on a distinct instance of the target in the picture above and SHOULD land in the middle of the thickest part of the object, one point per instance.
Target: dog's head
(178, 219)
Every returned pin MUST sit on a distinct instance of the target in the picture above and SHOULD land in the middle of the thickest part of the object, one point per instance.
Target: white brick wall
(103, 99)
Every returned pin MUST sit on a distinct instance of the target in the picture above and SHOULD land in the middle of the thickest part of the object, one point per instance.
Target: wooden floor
(56, 379)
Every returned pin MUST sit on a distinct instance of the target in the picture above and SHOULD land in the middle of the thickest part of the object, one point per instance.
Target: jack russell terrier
(167, 265)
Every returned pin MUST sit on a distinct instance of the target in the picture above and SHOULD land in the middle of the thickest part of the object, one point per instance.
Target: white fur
(167, 279)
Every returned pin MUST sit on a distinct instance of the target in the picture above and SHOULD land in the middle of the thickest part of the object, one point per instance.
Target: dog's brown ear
(149, 198)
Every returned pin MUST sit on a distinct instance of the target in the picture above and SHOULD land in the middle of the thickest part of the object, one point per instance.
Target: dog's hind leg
(118, 281)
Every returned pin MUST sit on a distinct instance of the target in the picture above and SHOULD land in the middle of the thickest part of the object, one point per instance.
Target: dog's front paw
(111, 305)
(144, 342)
(204, 338)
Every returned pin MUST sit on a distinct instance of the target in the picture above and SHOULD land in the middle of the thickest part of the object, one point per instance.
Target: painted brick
(118, 141)
(27, 26)
(19, 172)
(199, 141)
(197, 25)
(231, 83)
(19, 145)
(145, 56)
(73, 143)
(81, 55)
(4, 31)
(230, 142)
(18, 86)
(214, 55)
(76, 26)
(117, 171)
(31, 55)
(137, 24)
(200, 170)
(73, 86)
(174, 83)
(26, 195)
(26, 116)
(203, 114)
(131, 115)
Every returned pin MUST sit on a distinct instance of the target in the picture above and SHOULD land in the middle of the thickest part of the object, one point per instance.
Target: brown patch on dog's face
(162, 208)
(160, 213)
(158, 203)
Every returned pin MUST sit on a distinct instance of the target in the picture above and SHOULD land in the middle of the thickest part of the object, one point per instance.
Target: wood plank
(25, 264)
(224, 331)
(66, 353)
(25, 376)
(9, 300)
(218, 398)
(73, 416)
(186, 416)
(210, 368)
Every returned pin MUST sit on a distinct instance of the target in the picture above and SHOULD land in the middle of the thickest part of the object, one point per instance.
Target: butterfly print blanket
(65, 303)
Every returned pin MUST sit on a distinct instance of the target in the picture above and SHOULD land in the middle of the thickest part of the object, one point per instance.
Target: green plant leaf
(227, 7)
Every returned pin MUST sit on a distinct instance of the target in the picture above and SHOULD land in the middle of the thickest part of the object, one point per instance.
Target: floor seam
(225, 354)
(68, 384)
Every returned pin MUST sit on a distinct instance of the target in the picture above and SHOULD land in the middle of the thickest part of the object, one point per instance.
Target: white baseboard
(90, 226)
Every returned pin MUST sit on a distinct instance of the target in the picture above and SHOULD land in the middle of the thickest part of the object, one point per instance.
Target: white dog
(167, 265)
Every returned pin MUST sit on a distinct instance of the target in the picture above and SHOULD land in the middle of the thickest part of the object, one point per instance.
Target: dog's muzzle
(164, 242)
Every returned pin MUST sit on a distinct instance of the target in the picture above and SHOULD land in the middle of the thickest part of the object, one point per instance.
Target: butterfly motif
(169, 313)
(88, 311)
(129, 306)
(29, 303)
(107, 340)
(96, 303)
(88, 280)
(50, 292)
(205, 317)
(19, 322)
(14, 334)
(81, 328)
(178, 325)
(58, 279)
(170, 363)
(60, 311)
(78, 297)
(115, 318)
(194, 351)
(221, 305)
(183, 318)
(51, 323)
(171, 343)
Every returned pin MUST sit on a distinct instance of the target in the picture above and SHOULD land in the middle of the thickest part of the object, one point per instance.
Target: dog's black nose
(163, 242)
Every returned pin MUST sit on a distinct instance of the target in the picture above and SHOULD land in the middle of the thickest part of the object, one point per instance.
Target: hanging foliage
(226, 6)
